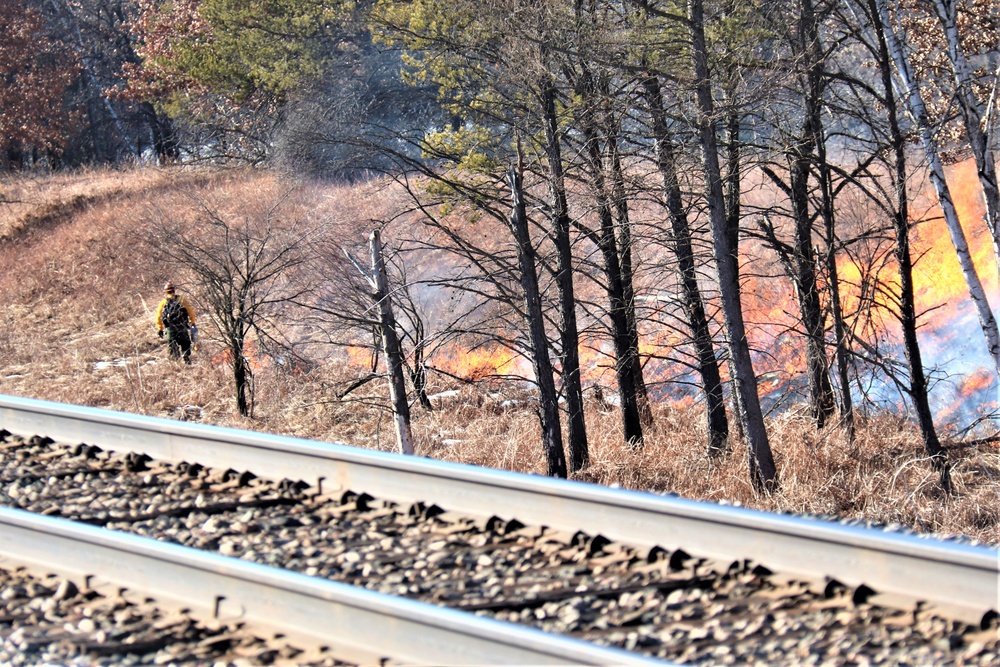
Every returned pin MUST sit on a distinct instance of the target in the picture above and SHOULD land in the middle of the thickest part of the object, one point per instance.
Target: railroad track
(659, 577)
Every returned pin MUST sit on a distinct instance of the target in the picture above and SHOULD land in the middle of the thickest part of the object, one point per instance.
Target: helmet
(168, 287)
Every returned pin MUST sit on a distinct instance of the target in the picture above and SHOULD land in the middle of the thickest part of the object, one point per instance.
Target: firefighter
(175, 316)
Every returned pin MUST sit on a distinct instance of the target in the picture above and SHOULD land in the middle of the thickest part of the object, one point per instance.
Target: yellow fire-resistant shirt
(184, 303)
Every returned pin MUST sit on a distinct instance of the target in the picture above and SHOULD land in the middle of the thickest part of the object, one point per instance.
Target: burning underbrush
(884, 477)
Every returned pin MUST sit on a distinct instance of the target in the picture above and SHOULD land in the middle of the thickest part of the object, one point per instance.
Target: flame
(949, 332)
(256, 359)
(975, 382)
(479, 363)
(937, 275)
(359, 357)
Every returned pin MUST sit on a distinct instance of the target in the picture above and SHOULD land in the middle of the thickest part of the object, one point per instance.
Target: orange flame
(359, 357)
(937, 275)
(477, 364)
(256, 359)
(977, 381)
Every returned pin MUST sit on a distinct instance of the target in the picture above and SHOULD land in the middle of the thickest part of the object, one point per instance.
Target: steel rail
(963, 578)
(353, 623)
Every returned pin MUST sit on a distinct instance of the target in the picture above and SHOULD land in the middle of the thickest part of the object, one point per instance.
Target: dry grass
(76, 304)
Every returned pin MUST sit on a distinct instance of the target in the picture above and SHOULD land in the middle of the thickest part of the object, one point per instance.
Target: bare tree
(549, 408)
(910, 93)
(245, 267)
(390, 345)
(683, 249)
(763, 473)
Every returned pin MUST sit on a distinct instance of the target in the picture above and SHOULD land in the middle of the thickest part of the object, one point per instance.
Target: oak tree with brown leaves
(36, 70)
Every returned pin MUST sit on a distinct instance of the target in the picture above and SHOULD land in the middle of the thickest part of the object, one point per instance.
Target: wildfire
(948, 333)
(359, 357)
(937, 275)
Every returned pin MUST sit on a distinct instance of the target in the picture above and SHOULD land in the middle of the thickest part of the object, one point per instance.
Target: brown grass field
(77, 296)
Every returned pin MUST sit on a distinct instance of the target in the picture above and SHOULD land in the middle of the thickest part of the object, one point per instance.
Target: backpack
(174, 315)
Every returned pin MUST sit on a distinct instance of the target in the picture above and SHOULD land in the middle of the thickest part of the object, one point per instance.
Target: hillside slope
(78, 290)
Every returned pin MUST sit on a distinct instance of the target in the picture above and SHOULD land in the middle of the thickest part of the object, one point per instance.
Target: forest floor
(78, 293)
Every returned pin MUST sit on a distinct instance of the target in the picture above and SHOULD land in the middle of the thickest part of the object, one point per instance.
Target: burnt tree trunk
(806, 290)
(827, 212)
(732, 204)
(164, 137)
(907, 308)
(607, 244)
(693, 304)
(418, 377)
(241, 379)
(548, 410)
(624, 244)
(763, 473)
(579, 454)
(804, 156)
(836, 308)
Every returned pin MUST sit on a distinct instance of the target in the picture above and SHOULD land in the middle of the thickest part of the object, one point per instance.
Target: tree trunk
(907, 315)
(803, 155)
(763, 474)
(391, 347)
(163, 134)
(804, 276)
(418, 377)
(827, 211)
(624, 245)
(607, 243)
(579, 455)
(548, 411)
(694, 306)
(241, 380)
(732, 202)
(836, 308)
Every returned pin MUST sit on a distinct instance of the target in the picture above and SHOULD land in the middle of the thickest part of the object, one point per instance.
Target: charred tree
(731, 195)
(813, 152)
(763, 473)
(579, 454)
(548, 411)
(907, 307)
(814, 108)
(624, 244)
(798, 257)
(163, 135)
(693, 303)
(607, 243)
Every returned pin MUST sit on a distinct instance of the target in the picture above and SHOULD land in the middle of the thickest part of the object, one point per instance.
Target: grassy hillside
(77, 295)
